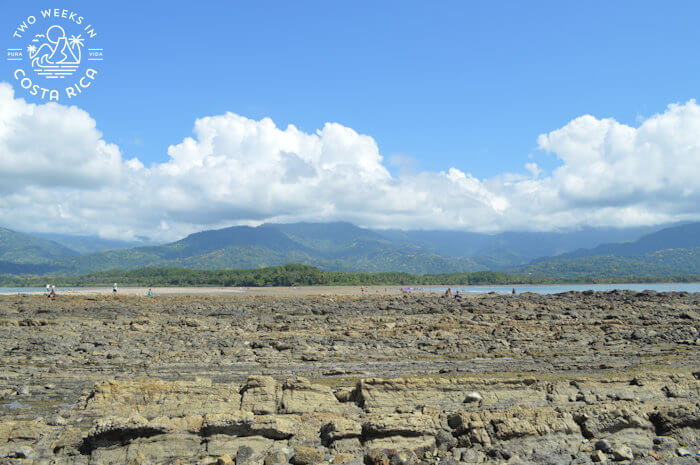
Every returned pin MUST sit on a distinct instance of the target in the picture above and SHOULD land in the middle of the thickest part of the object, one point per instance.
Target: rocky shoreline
(572, 378)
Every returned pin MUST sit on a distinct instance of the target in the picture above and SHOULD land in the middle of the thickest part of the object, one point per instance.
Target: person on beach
(458, 296)
(513, 291)
(48, 289)
(52, 294)
(448, 292)
(150, 293)
(114, 289)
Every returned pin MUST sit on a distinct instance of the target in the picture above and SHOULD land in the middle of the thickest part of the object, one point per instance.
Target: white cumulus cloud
(57, 173)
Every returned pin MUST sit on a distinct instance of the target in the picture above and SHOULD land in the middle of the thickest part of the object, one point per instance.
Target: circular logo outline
(55, 54)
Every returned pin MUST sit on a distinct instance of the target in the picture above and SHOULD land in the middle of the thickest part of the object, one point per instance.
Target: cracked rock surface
(573, 378)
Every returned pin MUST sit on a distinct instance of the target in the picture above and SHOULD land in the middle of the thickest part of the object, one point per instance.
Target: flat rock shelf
(571, 378)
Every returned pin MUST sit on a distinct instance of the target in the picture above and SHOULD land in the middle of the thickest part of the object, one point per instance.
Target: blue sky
(465, 84)
(458, 97)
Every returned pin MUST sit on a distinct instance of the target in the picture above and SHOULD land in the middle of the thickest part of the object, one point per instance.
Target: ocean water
(25, 290)
(21, 290)
(519, 289)
(557, 288)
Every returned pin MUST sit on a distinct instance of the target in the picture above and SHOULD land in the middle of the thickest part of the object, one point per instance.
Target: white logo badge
(54, 55)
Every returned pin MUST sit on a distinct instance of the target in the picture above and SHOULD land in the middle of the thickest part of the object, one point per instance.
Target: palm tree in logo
(76, 42)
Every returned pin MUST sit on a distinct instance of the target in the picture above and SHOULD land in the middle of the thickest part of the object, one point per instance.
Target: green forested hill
(303, 275)
(508, 249)
(330, 246)
(686, 236)
(90, 244)
(670, 251)
(242, 257)
(20, 248)
(658, 263)
(346, 247)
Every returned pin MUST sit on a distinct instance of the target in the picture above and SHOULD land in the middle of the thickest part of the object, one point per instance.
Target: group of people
(456, 296)
(51, 291)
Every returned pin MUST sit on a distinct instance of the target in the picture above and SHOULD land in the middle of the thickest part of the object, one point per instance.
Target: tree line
(305, 275)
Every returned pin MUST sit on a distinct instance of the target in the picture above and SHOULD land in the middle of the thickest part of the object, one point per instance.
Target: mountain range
(670, 251)
(341, 246)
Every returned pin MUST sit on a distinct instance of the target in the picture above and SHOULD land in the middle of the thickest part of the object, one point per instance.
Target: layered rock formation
(571, 378)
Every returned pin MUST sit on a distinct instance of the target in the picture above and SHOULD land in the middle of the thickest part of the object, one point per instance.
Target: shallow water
(519, 289)
(24, 290)
(557, 288)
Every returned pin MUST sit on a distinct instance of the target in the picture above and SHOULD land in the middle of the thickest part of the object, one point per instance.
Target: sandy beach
(222, 291)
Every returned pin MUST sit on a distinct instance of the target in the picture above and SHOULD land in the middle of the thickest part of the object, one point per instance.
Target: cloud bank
(58, 174)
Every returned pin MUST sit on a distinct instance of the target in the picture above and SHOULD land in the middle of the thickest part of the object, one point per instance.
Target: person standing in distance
(114, 289)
